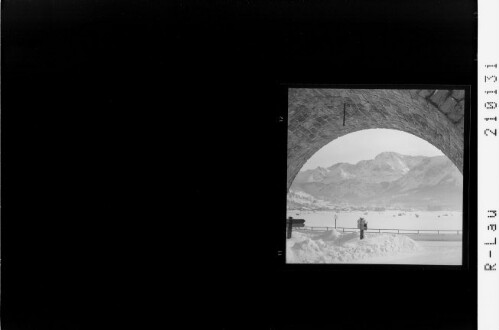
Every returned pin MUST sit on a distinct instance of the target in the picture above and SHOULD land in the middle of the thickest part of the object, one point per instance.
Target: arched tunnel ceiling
(315, 118)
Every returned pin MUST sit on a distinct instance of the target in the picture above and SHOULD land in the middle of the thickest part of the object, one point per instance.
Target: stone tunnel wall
(315, 118)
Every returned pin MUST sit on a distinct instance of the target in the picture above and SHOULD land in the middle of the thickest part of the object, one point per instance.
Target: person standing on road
(362, 225)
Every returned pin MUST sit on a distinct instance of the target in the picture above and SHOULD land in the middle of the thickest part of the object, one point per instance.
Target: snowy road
(432, 253)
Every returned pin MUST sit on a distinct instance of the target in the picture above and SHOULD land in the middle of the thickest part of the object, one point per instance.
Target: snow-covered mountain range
(388, 180)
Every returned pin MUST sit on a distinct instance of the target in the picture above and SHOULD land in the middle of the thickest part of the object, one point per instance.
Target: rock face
(316, 116)
(388, 180)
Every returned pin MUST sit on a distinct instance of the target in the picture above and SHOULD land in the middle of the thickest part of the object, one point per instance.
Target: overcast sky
(366, 144)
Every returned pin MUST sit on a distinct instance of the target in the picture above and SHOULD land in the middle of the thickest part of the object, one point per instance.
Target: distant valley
(390, 180)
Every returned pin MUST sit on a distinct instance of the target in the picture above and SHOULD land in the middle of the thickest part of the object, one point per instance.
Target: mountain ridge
(390, 179)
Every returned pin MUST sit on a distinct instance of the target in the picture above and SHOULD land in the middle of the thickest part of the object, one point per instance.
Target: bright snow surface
(337, 247)
(410, 220)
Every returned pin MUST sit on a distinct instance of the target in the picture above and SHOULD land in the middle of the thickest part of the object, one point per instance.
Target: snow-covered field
(336, 247)
(423, 220)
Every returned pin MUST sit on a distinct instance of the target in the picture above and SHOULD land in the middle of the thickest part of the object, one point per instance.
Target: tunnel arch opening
(377, 169)
(317, 117)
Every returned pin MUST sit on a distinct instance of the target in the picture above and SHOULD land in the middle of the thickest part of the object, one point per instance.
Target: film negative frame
(467, 222)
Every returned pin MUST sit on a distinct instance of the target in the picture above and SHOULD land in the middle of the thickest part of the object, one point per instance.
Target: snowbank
(336, 247)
